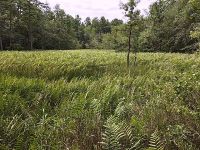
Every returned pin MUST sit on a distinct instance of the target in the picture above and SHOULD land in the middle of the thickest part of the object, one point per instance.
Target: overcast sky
(96, 8)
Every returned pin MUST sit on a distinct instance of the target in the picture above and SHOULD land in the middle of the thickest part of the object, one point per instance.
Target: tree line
(170, 26)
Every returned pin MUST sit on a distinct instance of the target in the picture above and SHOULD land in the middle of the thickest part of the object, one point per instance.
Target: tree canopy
(170, 26)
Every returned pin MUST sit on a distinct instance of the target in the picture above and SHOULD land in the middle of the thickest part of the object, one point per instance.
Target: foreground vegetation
(89, 100)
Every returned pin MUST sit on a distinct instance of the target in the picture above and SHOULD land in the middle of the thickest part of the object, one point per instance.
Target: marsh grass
(64, 100)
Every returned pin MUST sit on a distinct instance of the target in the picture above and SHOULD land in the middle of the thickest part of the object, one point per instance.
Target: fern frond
(19, 144)
(155, 142)
(123, 110)
(112, 135)
(140, 144)
(117, 135)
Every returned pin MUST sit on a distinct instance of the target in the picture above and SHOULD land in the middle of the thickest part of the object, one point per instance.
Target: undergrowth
(88, 100)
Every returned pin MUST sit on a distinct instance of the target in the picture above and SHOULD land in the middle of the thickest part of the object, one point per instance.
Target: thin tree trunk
(10, 27)
(135, 57)
(1, 43)
(43, 39)
(129, 46)
(159, 26)
(30, 38)
(59, 45)
(43, 43)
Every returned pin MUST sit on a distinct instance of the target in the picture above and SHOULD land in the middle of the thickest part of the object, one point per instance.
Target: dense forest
(170, 26)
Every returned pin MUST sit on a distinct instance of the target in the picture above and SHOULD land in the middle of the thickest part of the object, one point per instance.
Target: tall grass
(89, 100)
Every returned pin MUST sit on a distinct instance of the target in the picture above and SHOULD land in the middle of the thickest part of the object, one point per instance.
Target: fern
(112, 135)
(140, 144)
(155, 142)
(117, 135)
(18, 144)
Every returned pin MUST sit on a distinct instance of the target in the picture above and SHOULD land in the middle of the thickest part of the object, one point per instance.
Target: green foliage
(116, 40)
(88, 100)
(117, 135)
(155, 142)
(168, 26)
(112, 135)
(31, 24)
(196, 34)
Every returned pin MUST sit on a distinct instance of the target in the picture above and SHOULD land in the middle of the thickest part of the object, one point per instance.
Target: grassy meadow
(89, 100)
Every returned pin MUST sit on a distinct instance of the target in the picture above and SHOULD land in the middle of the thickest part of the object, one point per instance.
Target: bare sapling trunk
(135, 57)
(30, 36)
(1, 44)
(129, 46)
(10, 28)
(30, 40)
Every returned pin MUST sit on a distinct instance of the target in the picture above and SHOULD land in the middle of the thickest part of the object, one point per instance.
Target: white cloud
(95, 8)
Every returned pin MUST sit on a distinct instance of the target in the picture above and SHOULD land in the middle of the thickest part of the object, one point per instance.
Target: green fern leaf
(155, 142)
